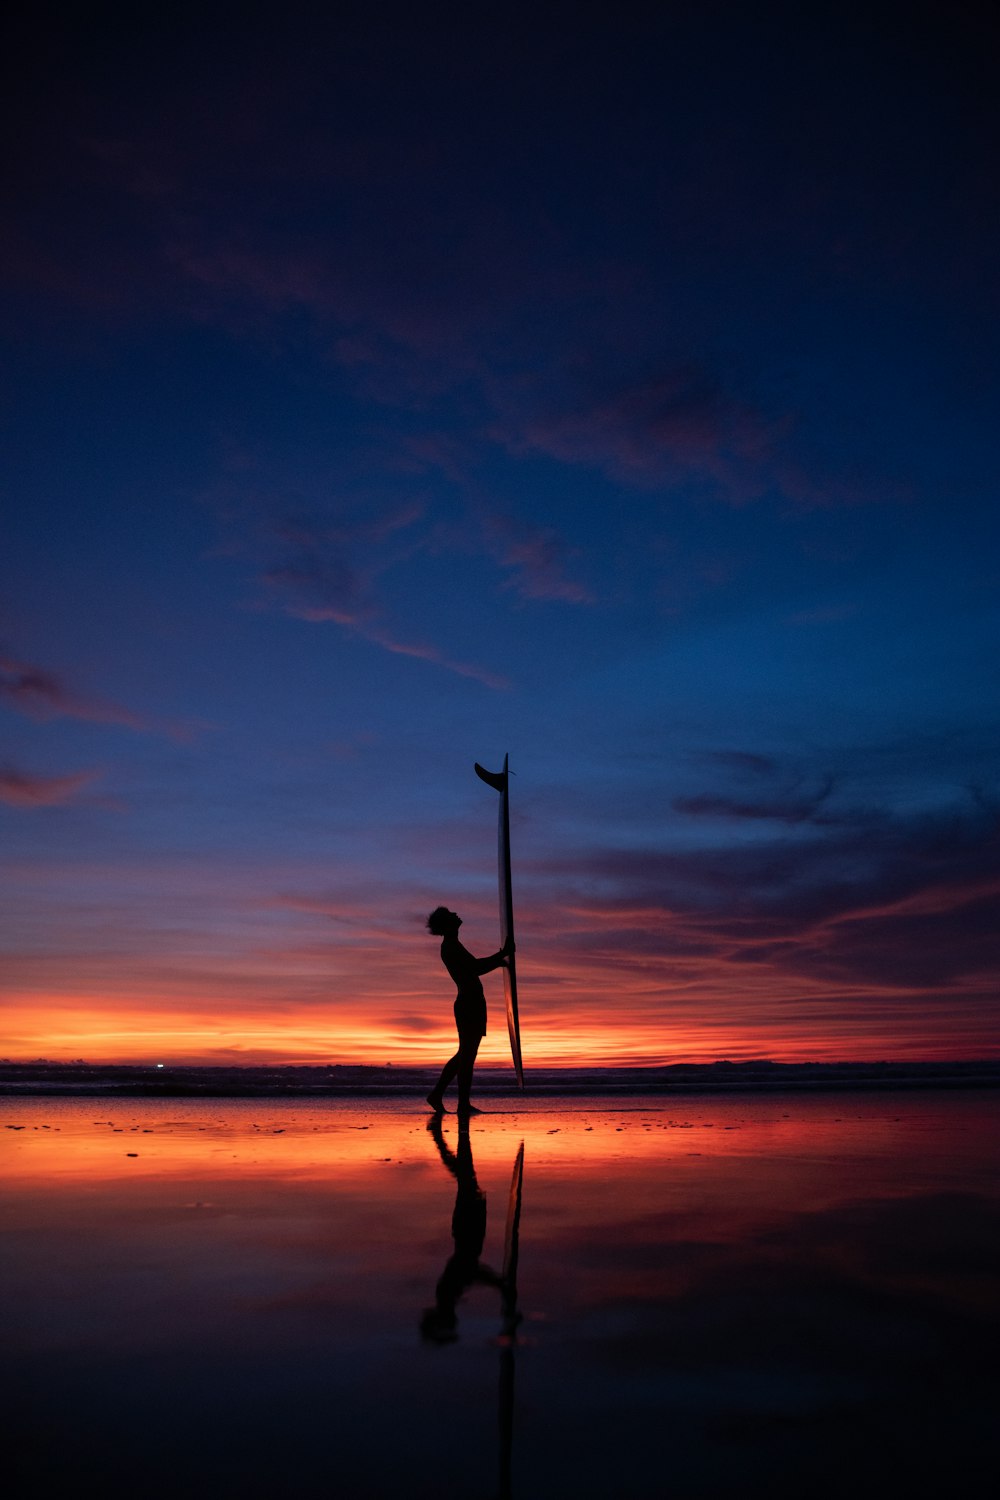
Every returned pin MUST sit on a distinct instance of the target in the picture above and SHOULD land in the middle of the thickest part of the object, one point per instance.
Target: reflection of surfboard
(508, 1329)
(498, 780)
(510, 1238)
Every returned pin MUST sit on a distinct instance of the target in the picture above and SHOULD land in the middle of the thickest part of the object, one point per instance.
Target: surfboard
(499, 781)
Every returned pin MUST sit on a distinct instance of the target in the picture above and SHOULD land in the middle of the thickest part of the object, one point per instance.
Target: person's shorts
(470, 1015)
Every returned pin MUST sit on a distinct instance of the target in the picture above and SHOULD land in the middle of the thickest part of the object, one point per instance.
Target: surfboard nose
(496, 779)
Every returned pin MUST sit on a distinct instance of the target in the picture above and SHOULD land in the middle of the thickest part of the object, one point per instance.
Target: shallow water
(784, 1295)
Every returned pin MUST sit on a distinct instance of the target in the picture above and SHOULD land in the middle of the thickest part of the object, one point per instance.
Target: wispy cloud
(330, 575)
(743, 761)
(790, 809)
(674, 426)
(428, 653)
(40, 694)
(20, 789)
(682, 425)
(535, 559)
(43, 695)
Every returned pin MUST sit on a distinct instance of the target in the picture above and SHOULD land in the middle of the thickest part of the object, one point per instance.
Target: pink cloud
(19, 789)
(535, 558)
(437, 658)
(674, 428)
(41, 695)
(664, 430)
(418, 650)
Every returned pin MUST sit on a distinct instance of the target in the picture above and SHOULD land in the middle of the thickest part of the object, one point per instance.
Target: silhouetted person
(468, 1228)
(470, 1005)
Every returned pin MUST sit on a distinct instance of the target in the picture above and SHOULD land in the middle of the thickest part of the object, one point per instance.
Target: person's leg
(436, 1096)
(467, 1050)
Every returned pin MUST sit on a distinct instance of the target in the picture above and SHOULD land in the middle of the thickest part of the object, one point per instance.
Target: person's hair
(439, 921)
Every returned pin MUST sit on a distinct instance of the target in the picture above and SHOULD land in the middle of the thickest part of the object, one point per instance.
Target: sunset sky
(394, 387)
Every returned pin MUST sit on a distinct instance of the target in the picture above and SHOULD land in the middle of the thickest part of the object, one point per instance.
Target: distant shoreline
(347, 1080)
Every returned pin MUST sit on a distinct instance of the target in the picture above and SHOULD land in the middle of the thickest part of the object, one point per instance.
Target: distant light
(159, 1065)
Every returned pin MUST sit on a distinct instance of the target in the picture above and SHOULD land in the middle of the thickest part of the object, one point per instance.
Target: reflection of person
(470, 1005)
(468, 1227)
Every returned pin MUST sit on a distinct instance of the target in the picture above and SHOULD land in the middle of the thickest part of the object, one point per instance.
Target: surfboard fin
(496, 779)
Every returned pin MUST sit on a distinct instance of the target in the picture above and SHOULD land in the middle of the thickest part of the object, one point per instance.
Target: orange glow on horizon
(563, 1035)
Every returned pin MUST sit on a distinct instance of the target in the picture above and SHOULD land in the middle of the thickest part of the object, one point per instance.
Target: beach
(776, 1294)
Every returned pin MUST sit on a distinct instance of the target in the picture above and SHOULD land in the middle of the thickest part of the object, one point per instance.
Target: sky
(394, 387)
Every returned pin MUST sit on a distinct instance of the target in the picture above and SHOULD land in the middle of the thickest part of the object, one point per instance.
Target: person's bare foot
(436, 1103)
(468, 1109)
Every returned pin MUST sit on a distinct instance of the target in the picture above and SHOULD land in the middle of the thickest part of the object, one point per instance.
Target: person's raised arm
(495, 960)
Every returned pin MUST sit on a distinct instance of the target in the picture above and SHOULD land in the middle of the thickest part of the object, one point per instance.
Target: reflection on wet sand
(468, 1227)
(777, 1297)
(465, 1269)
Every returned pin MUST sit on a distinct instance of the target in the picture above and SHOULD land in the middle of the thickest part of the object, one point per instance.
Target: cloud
(413, 1023)
(276, 281)
(428, 653)
(361, 625)
(535, 558)
(670, 428)
(744, 761)
(681, 426)
(928, 939)
(41, 695)
(19, 789)
(332, 576)
(830, 867)
(898, 906)
(778, 809)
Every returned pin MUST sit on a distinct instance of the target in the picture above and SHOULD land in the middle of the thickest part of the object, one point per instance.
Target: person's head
(443, 922)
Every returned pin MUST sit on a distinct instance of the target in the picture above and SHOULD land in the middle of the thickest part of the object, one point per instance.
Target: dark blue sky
(393, 388)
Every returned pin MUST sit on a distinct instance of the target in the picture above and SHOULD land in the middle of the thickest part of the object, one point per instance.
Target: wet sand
(774, 1295)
